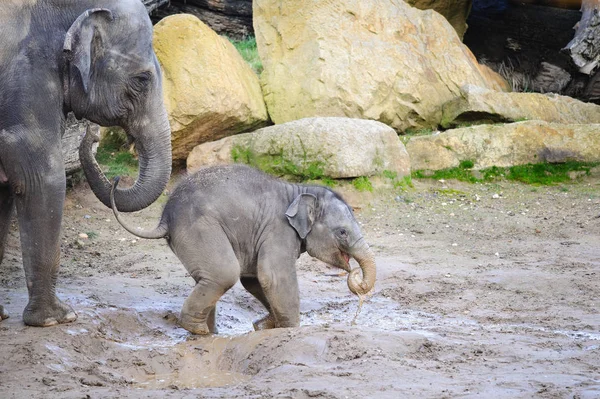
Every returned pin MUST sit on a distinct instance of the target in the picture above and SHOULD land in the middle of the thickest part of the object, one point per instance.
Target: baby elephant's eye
(343, 233)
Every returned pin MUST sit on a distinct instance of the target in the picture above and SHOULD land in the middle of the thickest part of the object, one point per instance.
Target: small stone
(80, 244)
(87, 217)
(83, 235)
(495, 196)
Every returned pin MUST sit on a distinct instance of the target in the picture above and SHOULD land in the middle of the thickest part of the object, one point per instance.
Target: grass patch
(459, 173)
(402, 183)
(114, 156)
(535, 174)
(247, 49)
(92, 234)
(362, 184)
(418, 131)
(278, 164)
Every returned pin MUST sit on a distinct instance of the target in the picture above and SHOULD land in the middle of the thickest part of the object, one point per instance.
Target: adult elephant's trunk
(154, 151)
(365, 258)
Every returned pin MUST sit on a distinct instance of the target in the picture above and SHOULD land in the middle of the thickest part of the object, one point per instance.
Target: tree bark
(584, 49)
(74, 132)
(152, 5)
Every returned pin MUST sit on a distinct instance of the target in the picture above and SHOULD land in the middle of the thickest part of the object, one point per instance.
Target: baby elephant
(233, 222)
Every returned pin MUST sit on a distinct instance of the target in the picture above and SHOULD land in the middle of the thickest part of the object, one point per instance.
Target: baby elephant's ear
(301, 214)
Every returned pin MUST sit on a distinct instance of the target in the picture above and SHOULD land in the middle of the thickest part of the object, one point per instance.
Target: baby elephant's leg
(3, 314)
(210, 260)
(277, 278)
(252, 285)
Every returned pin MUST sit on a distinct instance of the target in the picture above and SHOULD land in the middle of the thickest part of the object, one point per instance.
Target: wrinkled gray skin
(92, 57)
(233, 222)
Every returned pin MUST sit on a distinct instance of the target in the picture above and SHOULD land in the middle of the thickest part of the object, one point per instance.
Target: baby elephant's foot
(44, 314)
(3, 314)
(193, 325)
(265, 323)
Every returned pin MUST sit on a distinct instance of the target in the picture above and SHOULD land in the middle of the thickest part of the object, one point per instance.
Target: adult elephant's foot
(3, 314)
(265, 323)
(45, 315)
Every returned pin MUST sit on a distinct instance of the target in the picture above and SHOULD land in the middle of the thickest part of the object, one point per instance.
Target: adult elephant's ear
(301, 213)
(80, 41)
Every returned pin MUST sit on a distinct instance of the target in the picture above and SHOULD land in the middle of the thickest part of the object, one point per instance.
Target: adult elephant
(94, 58)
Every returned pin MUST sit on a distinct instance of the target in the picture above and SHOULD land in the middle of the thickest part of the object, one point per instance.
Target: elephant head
(332, 235)
(112, 78)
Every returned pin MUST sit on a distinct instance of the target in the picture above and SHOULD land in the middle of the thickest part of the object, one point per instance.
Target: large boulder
(455, 11)
(369, 59)
(478, 104)
(337, 147)
(210, 91)
(506, 145)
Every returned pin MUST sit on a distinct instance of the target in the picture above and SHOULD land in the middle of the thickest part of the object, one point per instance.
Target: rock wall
(385, 61)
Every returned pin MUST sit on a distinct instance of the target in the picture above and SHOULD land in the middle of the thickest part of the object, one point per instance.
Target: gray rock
(343, 147)
(506, 145)
(477, 105)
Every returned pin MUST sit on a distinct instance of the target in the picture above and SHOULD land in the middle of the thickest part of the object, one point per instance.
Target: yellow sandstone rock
(210, 92)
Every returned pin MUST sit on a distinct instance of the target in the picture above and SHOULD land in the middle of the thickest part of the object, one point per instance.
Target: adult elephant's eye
(140, 81)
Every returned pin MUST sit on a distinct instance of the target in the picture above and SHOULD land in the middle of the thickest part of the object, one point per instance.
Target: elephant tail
(161, 231)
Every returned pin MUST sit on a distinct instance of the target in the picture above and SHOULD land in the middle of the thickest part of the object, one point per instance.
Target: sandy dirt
(486, 290)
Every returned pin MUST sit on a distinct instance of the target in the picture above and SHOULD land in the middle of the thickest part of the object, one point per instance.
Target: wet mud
(487, 290)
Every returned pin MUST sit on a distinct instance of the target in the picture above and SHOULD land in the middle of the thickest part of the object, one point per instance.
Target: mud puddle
(477, 295)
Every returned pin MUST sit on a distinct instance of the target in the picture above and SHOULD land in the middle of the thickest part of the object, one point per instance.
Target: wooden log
(228, 7)
(152, 5)
(74, 131)
(584, 49)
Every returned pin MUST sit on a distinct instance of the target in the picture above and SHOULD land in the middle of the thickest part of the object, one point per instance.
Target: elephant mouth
(345, 264)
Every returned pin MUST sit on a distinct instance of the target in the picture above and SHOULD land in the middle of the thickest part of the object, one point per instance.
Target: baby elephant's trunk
(364, 256)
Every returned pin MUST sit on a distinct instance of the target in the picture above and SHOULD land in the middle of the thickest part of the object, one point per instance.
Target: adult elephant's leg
(39, 196)
(277, 277)
(6, 210)
(209, 258)
(252, 285)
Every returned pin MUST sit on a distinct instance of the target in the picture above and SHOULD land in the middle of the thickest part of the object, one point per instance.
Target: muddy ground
(486, 290)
